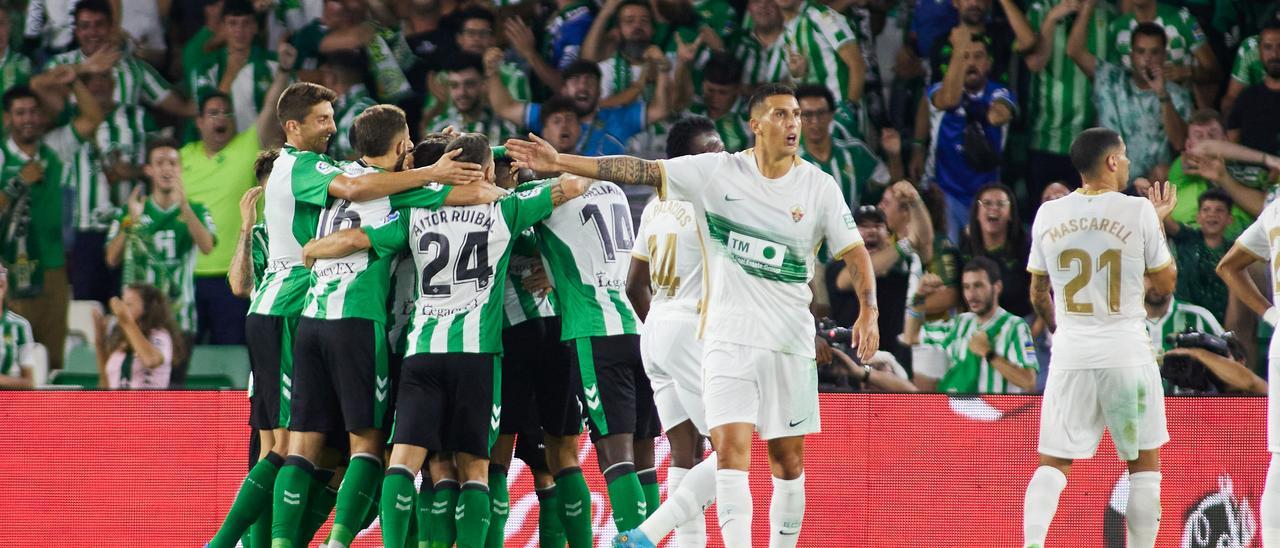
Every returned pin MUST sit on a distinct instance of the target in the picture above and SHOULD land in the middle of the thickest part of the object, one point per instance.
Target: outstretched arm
(339, 244)
(540, 156)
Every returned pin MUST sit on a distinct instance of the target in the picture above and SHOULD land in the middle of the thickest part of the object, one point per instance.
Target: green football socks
(473, 515)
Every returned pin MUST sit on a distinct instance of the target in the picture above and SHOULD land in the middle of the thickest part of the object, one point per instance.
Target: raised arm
(1077, 41)
(1024, 38)
(1038, 58)
(240, 273)
(851, 55)
(593, 46)
(500, 99)
(521, 39)
(376, 185)
(270, 133)
(148, 355)
(949, 94)
(541, 157)
(1174, 126)
(658, 108)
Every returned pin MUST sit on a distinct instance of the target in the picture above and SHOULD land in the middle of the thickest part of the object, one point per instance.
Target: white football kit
(1095, 248)
(759, 237)
(1262, 239)
(668, 242)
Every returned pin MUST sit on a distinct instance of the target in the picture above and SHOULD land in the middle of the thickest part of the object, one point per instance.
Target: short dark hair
(1091, 147)
(349, 65)
(263, 164)
(680, 138)
(1204, 116)
(636, 3)
(556, 105)
(101, 7)
(1272, 24)
(429, 150)
(816, 90)
(462, 60)
(475, 148)
(1151, 29)
(581, 67)
(475, 13)
(21, 91)
(766, 91)
(238, 8)
(159, 142)
(1215, 195)
(374, 131)
(722, 68)
(296, 101)
(211, 95)
(986, 264)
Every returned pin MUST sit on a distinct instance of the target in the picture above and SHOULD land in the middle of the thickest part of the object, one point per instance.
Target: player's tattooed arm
(629, 170)
(568, 187)
(1042, 300)
(540, 156)
(866, 330)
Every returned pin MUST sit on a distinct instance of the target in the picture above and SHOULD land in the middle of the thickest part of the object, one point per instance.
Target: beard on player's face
(1154, 298)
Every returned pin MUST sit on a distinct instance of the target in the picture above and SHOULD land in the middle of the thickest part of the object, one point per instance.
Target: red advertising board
(126, 468)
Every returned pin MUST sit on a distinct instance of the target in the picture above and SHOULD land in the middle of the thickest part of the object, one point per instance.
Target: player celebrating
(762, 213)
(451, 381)
(1259, 243)
(1095, 246)
(665, 287)
(306, 113)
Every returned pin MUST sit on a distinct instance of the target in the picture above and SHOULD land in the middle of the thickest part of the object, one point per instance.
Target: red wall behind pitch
(123, 468)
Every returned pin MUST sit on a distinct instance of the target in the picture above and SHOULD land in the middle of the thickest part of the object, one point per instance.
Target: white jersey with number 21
(1096, 248)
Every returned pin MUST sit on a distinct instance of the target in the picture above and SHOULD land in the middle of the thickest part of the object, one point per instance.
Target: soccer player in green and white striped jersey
(154, 238)
(301, 181)
(449, 394)
(990, 349)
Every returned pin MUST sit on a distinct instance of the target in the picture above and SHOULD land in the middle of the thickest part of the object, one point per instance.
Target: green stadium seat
(81, 358)
(229, 361)
(208, 382)
(72, 378)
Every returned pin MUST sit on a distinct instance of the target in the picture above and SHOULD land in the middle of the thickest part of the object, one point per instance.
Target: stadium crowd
(131, 128)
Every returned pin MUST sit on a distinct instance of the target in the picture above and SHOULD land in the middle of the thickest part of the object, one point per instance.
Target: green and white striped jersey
(586, 250)
(1180, 317)
(136, 82)
(258, 255)
(1010, 338)
(345, 109)
(818, 32)
(761, 63)
(122, 137)
(1061, 95)
(462, 255)
(1184, 33)
(159, 251)
(732, 126)
(497, 129)
(520, 304)
(854, 167)
(297, 190)
(1248, 68)
(15, 69)
(356, 286)
(404, 293)
(248, 89)
(18, 344)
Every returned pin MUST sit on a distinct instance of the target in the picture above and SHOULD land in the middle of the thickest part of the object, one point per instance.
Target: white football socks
(1143, 511)
(786, 512)
(689, 493)
(1040, 503)
(1271, 505)
(733, 506)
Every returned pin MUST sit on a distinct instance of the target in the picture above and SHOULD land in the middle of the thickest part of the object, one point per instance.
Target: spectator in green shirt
(1198, 251)
(217, 170)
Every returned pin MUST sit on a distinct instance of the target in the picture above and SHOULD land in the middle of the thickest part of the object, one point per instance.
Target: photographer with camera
(838, 370)
(989, 349)
(1201, 362)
